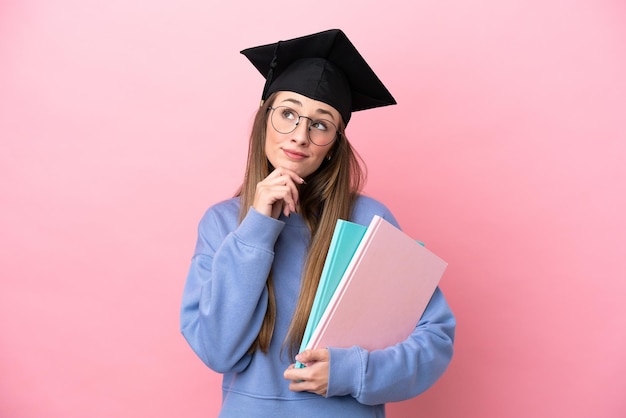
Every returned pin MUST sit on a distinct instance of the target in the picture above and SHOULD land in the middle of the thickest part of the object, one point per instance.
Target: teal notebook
(345, 240)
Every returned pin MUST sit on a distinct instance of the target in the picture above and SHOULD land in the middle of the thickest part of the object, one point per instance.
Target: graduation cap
(324, 66)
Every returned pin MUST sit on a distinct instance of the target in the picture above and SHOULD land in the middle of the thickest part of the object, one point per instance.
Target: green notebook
(345, 240)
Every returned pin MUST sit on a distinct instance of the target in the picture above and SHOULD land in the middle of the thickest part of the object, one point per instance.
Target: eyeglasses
(285, 120)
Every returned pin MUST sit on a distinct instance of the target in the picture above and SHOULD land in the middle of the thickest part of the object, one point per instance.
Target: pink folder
(382, 294)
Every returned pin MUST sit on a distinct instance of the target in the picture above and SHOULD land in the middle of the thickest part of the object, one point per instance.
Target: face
(294, 150)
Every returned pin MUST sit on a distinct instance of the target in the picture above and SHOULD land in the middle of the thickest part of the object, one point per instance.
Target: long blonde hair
(329, 195)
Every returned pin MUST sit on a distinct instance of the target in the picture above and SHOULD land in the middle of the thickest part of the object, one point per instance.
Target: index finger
(281, 171)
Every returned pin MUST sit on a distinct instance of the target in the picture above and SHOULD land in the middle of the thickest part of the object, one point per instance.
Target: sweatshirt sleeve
(225, 297)
(399, 372)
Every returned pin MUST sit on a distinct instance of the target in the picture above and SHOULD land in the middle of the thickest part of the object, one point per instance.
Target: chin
(297, 168)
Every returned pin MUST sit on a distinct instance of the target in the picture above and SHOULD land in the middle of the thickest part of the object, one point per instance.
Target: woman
(259, 256)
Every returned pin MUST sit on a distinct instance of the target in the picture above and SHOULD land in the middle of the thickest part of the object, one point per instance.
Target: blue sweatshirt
(225, 300)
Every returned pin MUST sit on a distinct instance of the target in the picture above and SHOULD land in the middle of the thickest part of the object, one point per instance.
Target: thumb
(309, 356)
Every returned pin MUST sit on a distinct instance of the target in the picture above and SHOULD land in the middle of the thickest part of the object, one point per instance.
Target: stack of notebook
(374, 287)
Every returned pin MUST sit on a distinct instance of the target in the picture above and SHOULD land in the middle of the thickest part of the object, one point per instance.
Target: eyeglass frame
(311, 120)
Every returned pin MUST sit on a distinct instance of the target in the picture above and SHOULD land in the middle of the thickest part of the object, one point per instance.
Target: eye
(288, 113)
(320, 125)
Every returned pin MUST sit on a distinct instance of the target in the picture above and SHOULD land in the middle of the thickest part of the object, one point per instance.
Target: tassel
(270, 73)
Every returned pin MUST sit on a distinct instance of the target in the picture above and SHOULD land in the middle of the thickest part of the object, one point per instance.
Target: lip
(294, 155)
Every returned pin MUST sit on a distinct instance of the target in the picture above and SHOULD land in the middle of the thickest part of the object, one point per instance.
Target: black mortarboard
(324, 66)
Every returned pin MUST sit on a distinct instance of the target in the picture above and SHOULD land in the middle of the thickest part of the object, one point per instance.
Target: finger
(288, 180)
(284, 194)
(300, 386)
(309, 356)
(287, 209)
(313, 379)
(314, 385)
(282, 181)
(304, 374)
(272, 190)
(278, 192)
(295, 375)
(282, 174)
(269, 200)
(289, 193)
(283, 171)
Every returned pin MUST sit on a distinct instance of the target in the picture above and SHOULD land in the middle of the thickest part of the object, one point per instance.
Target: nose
(301, 133)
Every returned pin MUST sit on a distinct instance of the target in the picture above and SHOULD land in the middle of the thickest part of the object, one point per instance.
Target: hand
(313, 377)
(277, 193)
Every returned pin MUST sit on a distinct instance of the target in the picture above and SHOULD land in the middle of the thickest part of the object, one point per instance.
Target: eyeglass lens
(285, 120)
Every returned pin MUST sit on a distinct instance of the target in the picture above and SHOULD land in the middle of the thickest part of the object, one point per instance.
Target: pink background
(121, 122)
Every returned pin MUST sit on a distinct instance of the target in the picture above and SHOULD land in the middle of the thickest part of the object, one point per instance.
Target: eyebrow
(319, 110)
